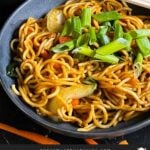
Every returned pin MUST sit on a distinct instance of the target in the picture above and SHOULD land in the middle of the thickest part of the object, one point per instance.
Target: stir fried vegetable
(138, 64)
(86, 17)
(102, 36)
(107, 16)
(139, 33)
(128, 37)
(78, 35)
(55, 20)
(112, 47)
(69, 93)
(118, 33)
(83, 36)
(144, 46)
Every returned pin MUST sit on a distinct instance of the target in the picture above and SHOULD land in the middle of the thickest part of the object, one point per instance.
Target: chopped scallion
(111, 59)
(108, 24)
(76, 25)
(86, 15)
(144, 46)
(93, 38)
(139, 33)
(67, 28)
(102, 37)
(102, 30)
(83, 39)
(107, 16)
(118, 33)
(63, 47)
(112, 47)
(128, 37)
(85, 50)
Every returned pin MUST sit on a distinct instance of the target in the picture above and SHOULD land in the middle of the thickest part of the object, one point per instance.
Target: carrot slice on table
(123, 142)
(40, 139)
(91, 142)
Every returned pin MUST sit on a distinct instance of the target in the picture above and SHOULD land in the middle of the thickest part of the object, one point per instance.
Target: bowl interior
(33, 9)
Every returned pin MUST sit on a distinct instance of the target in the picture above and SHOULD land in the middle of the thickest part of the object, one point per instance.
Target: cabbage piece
(55, 20)
(68, 93)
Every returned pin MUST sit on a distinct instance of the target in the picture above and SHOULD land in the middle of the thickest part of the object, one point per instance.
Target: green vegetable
(112, 47)
(118, 33)
(11, 70)
(138, 64)
(86, 15)
(67, 93)
(83, 39)
(67, 28)
(76, 26)
(107, 16)
(102, 30)
(85, 50)
(139, 33)
(93, 38)
(128, 37)
(63, 47)
(102, 37)
(111, 59)
(108, 25)
(144, 46)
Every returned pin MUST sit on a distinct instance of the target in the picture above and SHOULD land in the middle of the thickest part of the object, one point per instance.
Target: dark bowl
(38, 9)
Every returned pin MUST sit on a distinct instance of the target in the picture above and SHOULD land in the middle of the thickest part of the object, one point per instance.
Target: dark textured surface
(10, 114)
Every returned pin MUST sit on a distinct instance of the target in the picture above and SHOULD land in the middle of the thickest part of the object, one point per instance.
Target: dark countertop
(11, 115)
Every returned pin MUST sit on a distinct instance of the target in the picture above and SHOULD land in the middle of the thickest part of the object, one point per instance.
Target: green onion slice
(139, 33)
(112, 47)
(86, 15)
(107, 16)
(111, 59)
(64, 47)
(144, 46)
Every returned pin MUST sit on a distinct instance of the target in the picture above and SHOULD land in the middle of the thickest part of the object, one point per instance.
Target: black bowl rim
(53, 126)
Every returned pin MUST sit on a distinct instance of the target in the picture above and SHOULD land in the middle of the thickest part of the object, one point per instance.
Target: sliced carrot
(63, 39)
(91, 142)
(123, 142)
(57, 66)
(75, 102)
(45, 54)
(40, 139)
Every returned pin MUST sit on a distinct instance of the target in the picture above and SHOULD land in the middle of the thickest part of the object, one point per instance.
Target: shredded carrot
(45, 54)
(57, 66)
(40, 139)
(63, 39)
(123, 142)
(75, 102)
(91, 141)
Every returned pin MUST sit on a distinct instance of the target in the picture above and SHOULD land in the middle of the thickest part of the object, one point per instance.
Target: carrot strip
(63, 39)
(45, 54)
(123, 142)
(57, 66)
(91, 142)
(40, 139)
(75, 102)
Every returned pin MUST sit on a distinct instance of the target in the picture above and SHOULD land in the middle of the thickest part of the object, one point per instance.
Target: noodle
(44, 76)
